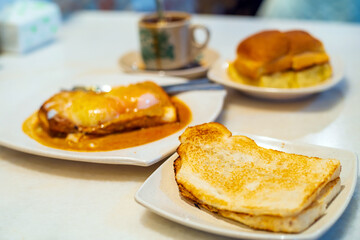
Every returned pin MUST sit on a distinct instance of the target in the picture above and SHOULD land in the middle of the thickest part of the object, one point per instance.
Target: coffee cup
(169, 42)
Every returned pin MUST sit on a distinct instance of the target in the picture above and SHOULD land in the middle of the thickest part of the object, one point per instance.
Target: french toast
(233, 176)
(124, 108)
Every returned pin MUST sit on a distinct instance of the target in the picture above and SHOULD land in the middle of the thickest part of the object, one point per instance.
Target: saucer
(131, 62)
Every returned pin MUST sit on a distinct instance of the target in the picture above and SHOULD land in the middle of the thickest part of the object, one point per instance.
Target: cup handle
(196, 47)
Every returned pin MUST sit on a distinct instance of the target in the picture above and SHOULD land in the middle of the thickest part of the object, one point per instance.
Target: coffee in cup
(169, 42)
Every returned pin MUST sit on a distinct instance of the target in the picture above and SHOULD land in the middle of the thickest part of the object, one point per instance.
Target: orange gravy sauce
(114, 141)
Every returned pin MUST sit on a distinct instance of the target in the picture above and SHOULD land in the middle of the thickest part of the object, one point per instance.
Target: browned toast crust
(255, 181)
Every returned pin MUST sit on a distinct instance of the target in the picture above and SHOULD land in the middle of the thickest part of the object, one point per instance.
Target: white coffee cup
(169, 43)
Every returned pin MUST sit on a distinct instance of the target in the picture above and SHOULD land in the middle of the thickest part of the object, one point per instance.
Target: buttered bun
(273, 52)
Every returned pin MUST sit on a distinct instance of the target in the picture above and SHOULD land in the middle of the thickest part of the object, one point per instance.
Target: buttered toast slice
(232, 173)
(292, 224)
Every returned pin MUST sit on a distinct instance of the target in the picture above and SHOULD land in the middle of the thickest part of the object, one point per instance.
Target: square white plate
(21, 102)
(160, 194)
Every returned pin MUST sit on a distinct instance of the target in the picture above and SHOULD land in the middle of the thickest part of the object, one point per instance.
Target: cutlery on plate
(192, 85)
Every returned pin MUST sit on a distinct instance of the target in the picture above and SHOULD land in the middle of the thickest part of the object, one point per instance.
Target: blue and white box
(25, 25)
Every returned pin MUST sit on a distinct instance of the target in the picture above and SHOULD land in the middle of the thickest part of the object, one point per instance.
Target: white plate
(160, 194)
(218, 73)
(22, 102)
(131, 62)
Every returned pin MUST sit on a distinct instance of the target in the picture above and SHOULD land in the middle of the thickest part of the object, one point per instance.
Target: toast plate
(160, 194)
(131, 62)
(218, 73)
(205, 107)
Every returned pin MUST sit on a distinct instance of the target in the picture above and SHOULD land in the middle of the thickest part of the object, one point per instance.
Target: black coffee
(165, 19)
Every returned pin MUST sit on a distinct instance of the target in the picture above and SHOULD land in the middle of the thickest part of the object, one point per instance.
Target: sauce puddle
(109, 142)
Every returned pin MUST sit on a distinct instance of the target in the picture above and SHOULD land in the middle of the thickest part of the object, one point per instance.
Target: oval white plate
(218, 73)
(160, 194)
(131, 62)
(205, 107)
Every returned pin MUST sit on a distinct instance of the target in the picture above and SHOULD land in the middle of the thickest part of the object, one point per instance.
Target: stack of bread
(277, 59)
(262, 188)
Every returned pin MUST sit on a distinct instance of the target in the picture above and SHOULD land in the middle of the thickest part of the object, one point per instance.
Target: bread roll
(272, 51)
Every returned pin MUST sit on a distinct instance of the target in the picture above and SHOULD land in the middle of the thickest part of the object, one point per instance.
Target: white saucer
(218, 73)
(131, 62)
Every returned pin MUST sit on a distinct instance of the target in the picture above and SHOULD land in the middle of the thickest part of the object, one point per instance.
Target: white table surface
(44, 198)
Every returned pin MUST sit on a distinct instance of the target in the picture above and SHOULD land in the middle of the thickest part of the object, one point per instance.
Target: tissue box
(26, 25)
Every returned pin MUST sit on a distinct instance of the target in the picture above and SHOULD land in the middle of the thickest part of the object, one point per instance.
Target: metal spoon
(199, 84)
(160, 9)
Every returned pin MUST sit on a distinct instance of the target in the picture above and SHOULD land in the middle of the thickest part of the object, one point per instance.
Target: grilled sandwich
(262, 188)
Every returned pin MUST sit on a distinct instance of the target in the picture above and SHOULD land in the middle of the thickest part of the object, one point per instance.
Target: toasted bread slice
(232, 173)
(123, 108)
(292, 224)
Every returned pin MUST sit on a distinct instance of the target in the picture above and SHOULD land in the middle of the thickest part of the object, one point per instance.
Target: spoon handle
(194, 85)
(160, 9)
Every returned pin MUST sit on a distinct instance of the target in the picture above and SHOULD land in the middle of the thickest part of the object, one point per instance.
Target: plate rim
(220, 66)
(234, 233)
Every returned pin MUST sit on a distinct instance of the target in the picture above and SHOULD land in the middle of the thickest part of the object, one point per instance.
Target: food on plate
(262, 188)
(126, 107)
(291, 59)
(123, 117)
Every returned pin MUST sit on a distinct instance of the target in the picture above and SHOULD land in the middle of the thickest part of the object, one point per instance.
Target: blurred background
(329, 10)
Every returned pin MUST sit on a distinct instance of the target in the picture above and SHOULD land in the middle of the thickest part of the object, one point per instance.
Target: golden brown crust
(234, 177)
(264, 46)
(302, 41)
(273, 51)
(233, 173)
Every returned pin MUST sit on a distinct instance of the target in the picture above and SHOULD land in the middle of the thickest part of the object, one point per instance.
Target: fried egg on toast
(123, 108)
